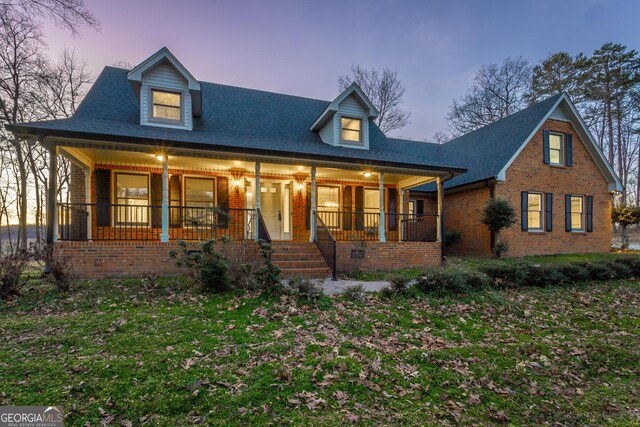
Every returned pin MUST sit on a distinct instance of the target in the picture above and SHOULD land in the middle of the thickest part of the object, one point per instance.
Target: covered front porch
(121, 193)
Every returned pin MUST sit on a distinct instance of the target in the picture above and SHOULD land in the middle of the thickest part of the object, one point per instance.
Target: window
(328, 205)
(132, 198)
(351, 129)
(534, 211)
(412, 208)
(166, 105)
(556, 149)
(200, 192)
(371, 207)
(577, 210)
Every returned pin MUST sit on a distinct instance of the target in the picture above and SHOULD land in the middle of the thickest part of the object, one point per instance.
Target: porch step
(300, 259)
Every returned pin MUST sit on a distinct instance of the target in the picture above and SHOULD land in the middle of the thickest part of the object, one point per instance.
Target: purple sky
(300, 47)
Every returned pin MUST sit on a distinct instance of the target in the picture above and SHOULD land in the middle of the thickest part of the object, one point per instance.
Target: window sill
(578, 232)
(558, 166)
(536, 232)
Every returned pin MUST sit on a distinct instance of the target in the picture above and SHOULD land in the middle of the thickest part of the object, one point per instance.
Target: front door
(271, 207)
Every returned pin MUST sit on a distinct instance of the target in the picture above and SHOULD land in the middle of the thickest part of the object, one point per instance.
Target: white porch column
(401, 222)
(312, 214)
(257, 202)
(383, 237)
(87, 199)
(438, 221)
(52, 196)
(164, 236)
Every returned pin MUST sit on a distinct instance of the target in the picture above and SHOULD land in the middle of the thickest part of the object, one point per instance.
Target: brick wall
(528, 173)
(387, 255)
(463, 213)
(77, 192)
(100, 260)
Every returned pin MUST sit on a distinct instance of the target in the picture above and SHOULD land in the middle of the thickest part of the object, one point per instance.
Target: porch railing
(263, 232)
(326, 243)
(365, 226)
(83, 221)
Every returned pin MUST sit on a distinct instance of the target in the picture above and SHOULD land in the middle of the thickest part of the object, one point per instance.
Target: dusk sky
(300, 48)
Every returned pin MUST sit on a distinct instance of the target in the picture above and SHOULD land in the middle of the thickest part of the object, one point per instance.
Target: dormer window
(351, 129)
(167, 106)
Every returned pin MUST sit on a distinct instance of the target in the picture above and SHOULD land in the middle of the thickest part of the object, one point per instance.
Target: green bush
(506, 274)
(269, 276)
(306, 291)
(599, 271)
(354, 293)
(632, 262)
(451, 280)
(573, 272)
(206, 263)
(399, 283)
(543, 275)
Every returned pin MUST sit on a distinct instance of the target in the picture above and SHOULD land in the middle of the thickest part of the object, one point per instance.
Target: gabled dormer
(169, 94)
(345, 122)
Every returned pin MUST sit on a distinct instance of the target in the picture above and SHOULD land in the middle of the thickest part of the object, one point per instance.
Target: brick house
(544, 161)
(158, 156)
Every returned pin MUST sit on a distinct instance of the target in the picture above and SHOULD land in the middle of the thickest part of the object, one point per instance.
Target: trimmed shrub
(506, 274)
(305, 290)
(452, 280)
(619, 270)
(354, 293)
(599, 271)
(543, 275)
(573, 272)
(632, 262)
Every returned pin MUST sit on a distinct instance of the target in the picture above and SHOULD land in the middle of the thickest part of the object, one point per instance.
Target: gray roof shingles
(235, 119)
(485, 151)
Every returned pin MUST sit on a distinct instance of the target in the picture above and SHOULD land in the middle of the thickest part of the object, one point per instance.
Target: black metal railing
(418, 227)
(263, 233)
(96, 221)
(326, 243)
(345, 225)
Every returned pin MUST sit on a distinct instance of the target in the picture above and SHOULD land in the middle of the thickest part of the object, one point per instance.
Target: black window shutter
(359, 208)
(156, 200)
(307, 208)
(545, 145)
(175, 190)
(548, 206)
(103, 197)
(393, 203)
(589, 214)
(569, 142)
(347, 207)
(419, 207)
(223, 202)
(567, 212)
(524, 214)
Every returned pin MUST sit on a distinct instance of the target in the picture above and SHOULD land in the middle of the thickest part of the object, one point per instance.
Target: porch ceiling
(192, 163)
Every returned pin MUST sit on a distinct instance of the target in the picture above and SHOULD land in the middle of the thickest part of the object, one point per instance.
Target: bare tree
(386, 92)
(69, 14)
(497, 91)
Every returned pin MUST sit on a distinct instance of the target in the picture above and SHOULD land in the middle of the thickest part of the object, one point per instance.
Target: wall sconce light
(367, 174)
(236, 183)
(300, 186)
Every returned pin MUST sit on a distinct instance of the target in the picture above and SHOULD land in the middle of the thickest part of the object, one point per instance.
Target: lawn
(132, 353)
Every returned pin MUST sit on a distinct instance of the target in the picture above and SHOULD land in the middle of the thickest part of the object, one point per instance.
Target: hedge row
(502, 274)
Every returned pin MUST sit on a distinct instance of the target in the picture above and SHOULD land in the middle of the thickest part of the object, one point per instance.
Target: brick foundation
(387, 255)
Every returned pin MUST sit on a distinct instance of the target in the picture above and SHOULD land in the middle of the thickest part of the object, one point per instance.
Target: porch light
(160, 157)
(300, 186)
(236, 183)
(367, 174)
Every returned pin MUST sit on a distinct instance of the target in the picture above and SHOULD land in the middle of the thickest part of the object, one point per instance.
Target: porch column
(439, 220)
(52, 216)
(257, 202)
(87, 199)
(400, 225)
(164, 236)
(312, 214)
(383, 237)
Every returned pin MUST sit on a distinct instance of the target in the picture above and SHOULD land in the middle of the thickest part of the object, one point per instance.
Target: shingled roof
(487, 151)
(234, 119)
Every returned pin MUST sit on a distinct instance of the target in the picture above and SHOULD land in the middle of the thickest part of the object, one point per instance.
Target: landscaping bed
(162, 352)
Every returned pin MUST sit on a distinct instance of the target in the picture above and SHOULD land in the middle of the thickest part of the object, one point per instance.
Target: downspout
(441, 219)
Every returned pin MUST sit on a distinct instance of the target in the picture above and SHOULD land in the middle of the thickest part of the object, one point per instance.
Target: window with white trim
(351, 129)
(199, 192)
(577, 213)
(132, 198)
(166, 106)
(328, 205)
(556, 149)
(534, 211)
